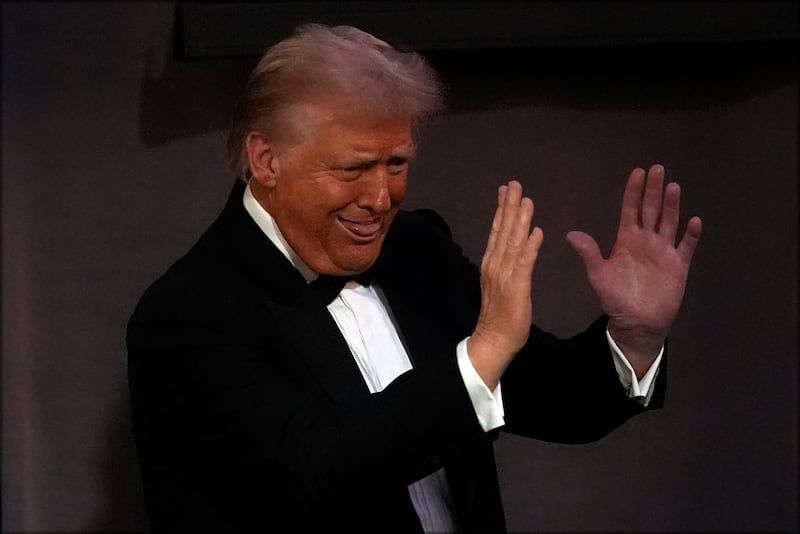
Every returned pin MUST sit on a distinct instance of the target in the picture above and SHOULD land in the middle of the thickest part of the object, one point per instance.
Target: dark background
(113, 163)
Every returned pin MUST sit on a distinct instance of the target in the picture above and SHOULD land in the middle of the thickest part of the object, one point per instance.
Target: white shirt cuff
(488, 404)
(641, 390)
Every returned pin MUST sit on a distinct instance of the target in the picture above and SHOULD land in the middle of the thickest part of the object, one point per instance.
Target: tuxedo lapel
(300, 312)
(405, 283)
(315, 334)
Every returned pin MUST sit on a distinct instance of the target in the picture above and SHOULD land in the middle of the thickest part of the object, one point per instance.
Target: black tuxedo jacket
(250, 413)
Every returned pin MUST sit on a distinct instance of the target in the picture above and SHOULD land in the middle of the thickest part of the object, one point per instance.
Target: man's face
(338, 189)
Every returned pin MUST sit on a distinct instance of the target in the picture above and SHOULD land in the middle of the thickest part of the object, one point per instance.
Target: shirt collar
(267, 224)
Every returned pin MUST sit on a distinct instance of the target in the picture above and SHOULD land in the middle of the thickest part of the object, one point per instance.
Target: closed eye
(396, 165)
(351, 172)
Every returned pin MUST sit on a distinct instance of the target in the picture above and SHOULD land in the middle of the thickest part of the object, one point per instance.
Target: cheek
(301, 215)
(398, 186)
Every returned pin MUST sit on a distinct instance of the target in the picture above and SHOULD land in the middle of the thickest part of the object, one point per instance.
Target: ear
(262, 159)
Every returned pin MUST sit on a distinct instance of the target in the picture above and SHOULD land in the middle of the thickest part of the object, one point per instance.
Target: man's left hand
(641, 284)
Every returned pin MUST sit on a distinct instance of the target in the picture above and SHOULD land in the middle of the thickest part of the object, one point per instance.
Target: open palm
(641, 284)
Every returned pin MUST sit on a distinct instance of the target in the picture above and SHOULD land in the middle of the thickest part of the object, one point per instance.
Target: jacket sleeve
(556, 389)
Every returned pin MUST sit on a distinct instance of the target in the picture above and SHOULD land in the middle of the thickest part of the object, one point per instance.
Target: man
(265, 397)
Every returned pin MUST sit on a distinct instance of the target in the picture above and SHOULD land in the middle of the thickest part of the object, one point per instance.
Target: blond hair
(318, 62)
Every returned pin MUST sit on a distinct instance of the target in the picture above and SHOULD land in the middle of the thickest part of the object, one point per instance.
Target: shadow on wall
(121, 505)
(615, 78)
(195, 97)
(189, 98)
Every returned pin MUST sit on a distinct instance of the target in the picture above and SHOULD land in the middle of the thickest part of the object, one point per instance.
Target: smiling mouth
(362, 231)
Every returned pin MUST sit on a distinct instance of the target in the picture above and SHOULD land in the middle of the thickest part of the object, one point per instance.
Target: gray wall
(112, 164)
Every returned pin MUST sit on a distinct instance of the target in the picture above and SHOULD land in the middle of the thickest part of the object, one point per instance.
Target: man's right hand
(506, 271)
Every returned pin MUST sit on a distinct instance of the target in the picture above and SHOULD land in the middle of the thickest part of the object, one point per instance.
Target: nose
(374, 194)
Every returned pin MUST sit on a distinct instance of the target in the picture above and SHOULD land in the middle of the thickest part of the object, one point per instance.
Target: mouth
(362, 231)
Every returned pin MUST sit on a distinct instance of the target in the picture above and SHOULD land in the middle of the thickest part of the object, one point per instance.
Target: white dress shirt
(367, 326)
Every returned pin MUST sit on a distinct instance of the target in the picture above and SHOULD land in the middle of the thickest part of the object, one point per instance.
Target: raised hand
(641, 284)
(506, 270)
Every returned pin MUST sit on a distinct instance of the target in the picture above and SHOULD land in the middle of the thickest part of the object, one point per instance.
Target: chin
(357, 265)
(360, 267)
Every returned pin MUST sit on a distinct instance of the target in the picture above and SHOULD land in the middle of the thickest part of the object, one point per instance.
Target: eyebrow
(405, 154)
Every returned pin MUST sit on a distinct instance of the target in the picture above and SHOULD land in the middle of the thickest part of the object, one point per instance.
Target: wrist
(639, 347)
(487, 358)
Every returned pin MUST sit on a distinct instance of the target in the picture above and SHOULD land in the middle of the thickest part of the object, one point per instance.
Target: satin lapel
(422, 329)
(304, 318)
(429, 307)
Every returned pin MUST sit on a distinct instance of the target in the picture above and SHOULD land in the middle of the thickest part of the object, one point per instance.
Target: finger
(508, 221)
(511, 206)
(632, 199)
(651, 202)
(691, 237)
(668, 227)
(587, 248)
(527, 259)
(495, 229)
(521, 230)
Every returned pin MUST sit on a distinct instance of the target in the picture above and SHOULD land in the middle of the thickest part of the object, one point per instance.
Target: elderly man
(322, 359)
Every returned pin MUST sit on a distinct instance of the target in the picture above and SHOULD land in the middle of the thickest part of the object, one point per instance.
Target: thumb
(586, 247)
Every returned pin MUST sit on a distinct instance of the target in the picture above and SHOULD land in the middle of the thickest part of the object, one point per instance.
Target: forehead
(345, 127)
